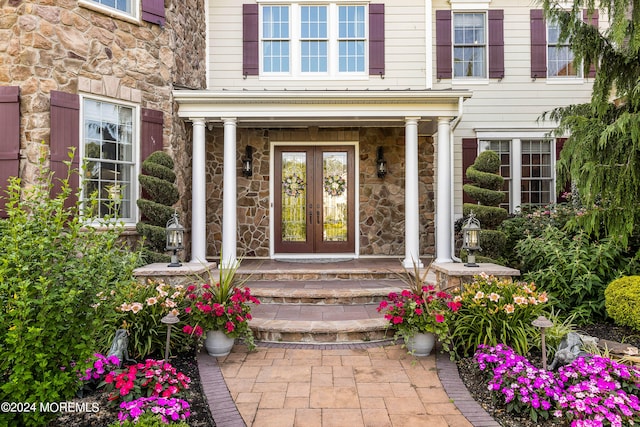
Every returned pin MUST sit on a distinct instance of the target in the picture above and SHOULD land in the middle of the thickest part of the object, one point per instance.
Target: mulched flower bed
(183, 362)
(477, 386)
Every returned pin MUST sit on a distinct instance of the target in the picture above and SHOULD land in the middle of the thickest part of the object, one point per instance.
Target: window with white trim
(469, 45)
(325, 39)
(528, 168)
(108, 158)
(125, 7)
(559, 55)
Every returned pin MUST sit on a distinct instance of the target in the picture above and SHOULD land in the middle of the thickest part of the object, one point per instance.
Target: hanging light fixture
(247, 162)
(175, 236)
(381, 164)
(471, 239)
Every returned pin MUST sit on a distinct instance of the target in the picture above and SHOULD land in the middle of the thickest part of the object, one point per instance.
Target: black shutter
(593, 20)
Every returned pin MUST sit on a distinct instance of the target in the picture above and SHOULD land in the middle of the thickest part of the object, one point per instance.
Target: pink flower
(439, 318)
(198, 331)
(187, 329)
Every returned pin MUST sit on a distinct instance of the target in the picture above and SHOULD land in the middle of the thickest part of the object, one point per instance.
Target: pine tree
(602, 154)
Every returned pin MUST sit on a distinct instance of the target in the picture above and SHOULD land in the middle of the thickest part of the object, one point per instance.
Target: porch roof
(381, 108)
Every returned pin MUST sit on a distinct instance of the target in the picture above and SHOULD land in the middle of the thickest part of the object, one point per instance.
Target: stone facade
(381, 216)
(68, 46)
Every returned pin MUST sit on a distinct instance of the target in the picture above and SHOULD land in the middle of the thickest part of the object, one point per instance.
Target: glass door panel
(294, 197)
(334, 197)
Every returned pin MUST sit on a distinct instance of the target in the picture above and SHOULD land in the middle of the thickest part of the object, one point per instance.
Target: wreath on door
(335, 185)
(293, 185)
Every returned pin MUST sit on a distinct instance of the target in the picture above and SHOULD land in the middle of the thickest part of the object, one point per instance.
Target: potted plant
(220, 312)
(419, 314)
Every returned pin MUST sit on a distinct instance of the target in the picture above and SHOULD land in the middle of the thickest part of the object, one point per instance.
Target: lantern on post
(471, 239)
(175, 235)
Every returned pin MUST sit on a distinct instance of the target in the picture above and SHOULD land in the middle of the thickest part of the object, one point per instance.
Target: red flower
(439, 318)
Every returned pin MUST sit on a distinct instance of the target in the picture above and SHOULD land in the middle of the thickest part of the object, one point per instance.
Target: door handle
(310, 214)
(318, 217)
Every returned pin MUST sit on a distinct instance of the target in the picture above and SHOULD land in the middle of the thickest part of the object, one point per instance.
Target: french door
(314, 199)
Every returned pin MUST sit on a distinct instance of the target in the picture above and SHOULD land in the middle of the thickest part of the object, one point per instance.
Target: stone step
(320, 302)
(323, 292)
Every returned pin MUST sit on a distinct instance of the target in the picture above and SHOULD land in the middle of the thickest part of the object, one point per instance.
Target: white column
(198, 194)
(516, 175)
(411, 197)
(444, 193)
(229, 195)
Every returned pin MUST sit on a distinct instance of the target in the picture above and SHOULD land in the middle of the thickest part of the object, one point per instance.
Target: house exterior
(281, 114)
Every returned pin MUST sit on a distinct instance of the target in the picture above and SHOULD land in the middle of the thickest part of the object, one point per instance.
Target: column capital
(443, 119)
(197, 120)
(229, 120)
(411, 120)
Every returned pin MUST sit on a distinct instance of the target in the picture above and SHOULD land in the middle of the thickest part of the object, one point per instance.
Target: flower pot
(421, 343)
(218, 344)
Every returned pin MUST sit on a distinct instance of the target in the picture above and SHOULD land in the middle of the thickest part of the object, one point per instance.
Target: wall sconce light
(471, 239)
(247, 162)
(175, 235)
(381, 164)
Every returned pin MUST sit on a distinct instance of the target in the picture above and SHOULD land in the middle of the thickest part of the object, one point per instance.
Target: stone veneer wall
(60, 45)
(381, 217)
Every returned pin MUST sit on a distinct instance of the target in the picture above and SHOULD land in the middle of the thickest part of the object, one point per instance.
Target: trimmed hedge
(489, 216)
(485, 196)
(622, 301)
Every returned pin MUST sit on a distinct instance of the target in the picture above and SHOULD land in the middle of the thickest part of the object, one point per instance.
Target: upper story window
(301, 40)
(559, 55)
(108, 155)
(469, 45)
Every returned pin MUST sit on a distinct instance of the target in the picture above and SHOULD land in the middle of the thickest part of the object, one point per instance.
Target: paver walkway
(355, 385)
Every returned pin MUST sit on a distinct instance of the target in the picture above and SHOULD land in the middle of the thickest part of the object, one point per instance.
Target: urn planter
(218, 344)
(420, 344)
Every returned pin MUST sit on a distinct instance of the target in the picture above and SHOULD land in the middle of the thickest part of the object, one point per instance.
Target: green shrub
(138, 308)
(622, 301)
(485, 179)
(160, 191)
(159, 195)
(487, 161)
(490, 217)
(573, 269)
(495, 311)
(485, 196)
(52, 268)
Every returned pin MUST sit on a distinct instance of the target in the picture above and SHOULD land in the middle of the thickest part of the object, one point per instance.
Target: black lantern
(247, 162)
(471, 239)
(381, 164)
(175, 235)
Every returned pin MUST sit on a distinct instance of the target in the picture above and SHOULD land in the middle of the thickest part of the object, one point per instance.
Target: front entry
(314, 199)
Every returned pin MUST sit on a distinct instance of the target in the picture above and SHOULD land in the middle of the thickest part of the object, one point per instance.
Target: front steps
(320, 302)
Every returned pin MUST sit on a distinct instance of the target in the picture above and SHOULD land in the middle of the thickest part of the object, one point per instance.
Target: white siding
(405, 52)
(516, 101)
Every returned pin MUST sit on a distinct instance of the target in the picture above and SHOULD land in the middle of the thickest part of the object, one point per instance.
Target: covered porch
(416, 114)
